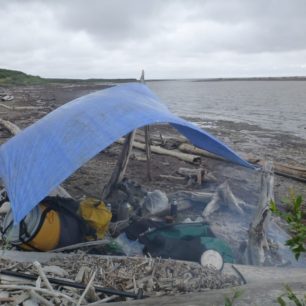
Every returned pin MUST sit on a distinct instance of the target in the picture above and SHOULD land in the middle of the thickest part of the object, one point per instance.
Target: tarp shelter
(39, 158)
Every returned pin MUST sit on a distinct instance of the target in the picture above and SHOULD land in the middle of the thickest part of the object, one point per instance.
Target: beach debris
(224, 198)
(55, 270)
(212, 258)
(121, 278)
(156, 202)
(193, 175)
(123, 211)
(7, 98)
(128, 246)
(168, 142)
(196, 220)
(257, 235)
(202, 197)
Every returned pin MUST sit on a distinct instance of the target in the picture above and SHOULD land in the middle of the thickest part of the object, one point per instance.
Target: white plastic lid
(212, 258)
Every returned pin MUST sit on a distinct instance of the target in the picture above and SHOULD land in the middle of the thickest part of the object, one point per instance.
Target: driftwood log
(295, 172)
(188, 148)
(22, 107)
(224, 197)
(257, 240)
(194, 196)
(159, 150)
(9, 126)
(60, 191)
(196, 174)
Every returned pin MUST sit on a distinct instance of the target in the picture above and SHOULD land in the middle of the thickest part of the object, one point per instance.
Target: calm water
(276, 105)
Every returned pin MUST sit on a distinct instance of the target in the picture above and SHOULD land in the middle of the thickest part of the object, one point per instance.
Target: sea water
(274, 105)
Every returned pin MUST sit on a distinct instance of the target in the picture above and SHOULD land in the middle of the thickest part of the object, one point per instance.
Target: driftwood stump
(257, 242)
(224, 198)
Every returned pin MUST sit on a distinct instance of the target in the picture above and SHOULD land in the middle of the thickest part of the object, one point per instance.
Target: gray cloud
(173, 38)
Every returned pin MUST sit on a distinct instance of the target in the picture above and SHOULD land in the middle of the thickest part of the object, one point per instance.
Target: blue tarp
(43, 155)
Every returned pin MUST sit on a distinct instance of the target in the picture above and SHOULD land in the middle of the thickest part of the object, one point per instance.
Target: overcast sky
(167, 38)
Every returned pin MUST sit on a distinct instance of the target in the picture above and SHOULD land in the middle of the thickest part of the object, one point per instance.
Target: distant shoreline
(14, 77)
(294, 78)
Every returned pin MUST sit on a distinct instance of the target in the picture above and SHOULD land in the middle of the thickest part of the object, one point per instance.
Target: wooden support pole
(147, 138)
(123, 160)
(148, 151)
(121, 165)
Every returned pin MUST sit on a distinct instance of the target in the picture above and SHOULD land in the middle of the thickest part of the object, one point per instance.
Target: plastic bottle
(109, 206)
(173, 209)
(123, 212)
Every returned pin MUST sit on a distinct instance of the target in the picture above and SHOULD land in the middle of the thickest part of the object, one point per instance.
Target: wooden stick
(44, 291)
(103, 301)
(40, 298)
(42, 274)
(120, 167)
(147, 137)
(86, 289)
(148, 152)
(81, 245)
(21, 107)
(172, 177)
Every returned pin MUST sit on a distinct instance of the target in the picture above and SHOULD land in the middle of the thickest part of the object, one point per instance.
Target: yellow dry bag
(97, 215)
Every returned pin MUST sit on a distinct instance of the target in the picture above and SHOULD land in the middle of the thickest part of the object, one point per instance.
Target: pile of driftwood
(93, 280)
(179, 148)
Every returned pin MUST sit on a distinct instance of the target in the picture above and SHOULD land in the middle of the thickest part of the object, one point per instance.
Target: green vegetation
(294, 216)
(13, 77)
(292, 297)
(89, 81)
(229, 301)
